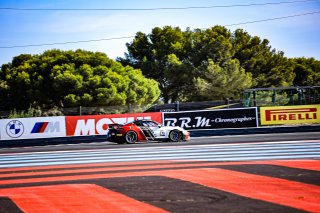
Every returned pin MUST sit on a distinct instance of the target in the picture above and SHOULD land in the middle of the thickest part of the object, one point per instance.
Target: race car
(146, 130)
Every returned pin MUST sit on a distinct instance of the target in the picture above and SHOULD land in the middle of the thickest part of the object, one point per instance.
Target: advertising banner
(279, 115)
(213, 119)
(29, 128)
(98, 124)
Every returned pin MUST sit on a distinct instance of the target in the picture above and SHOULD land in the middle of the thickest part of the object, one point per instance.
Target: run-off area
(164, 186)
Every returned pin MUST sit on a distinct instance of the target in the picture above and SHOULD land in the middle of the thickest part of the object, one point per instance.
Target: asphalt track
(164, 185)
(251, 138)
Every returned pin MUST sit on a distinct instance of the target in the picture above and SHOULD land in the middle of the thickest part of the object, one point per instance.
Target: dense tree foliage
(230, 76)
(214, 63)
(72, 78)
(307, 71)
(190, 65)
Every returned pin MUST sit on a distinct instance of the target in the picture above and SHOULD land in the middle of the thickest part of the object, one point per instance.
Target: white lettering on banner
(233, 120)
(127, 119)
(185, 122)
(90, 127)
(171, 121)
(120, 120)
(93, 127)
(102, 125)
(139, 118)
(84, 128)
(201, 122)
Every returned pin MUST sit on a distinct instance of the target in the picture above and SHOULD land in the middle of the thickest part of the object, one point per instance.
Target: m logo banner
(290, 114)
(42, 127)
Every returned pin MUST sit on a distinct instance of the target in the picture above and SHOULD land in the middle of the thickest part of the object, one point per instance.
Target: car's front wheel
(175, 136)
(131, 137)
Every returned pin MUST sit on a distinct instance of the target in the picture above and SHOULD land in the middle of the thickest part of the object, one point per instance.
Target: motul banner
(290, 114)
(98, 124)
(213, 119)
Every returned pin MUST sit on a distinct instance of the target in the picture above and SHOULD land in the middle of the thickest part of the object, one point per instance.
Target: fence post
(130, 108)
(177, 106)
(254, 98)
(274, 97)
(80, 110)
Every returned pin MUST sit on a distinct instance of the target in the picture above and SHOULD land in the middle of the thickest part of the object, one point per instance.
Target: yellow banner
(290, 114)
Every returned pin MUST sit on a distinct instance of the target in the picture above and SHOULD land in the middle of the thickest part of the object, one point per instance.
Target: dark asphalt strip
(104, 172)
(8, 206)
(292, 174)
(175, 195)
(101, 172)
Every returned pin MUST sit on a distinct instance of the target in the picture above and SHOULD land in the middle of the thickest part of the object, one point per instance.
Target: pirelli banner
(302, 114)
(213, 119)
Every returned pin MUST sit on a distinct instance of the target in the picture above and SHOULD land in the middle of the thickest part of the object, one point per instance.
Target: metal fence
(99, 110)
(189, 106)
(281, 96)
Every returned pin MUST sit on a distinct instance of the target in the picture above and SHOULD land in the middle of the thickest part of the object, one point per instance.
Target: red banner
(98, 124)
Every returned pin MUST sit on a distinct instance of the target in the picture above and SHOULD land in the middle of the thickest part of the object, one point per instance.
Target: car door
(156, 129)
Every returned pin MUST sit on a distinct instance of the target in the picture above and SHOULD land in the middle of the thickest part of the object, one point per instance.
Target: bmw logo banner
(14, 129)
(28, 128)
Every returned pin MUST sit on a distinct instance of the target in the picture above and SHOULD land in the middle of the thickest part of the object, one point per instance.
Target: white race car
(146, 130)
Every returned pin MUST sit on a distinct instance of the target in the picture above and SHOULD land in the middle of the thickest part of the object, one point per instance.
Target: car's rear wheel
(131, 137)
(175, 136)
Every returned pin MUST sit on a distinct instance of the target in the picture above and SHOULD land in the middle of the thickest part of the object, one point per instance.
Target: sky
(297, 36)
